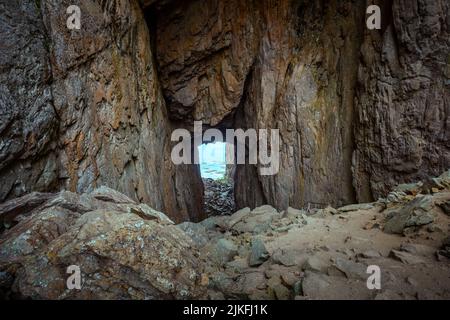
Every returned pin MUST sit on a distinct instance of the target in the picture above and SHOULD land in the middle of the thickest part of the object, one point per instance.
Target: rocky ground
(218, 197)
(127, 250)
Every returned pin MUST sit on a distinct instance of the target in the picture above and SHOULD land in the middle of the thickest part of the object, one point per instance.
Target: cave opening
(212, 160)
(211, 168)
(216, 174)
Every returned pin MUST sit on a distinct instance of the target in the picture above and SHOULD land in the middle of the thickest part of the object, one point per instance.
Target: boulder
(224, 250)
(388, 295)
(406, 258)
(256, 222)
(445, 206)
(238, 216)
(238, 265)
(196, 231)
(323, 287)
(212, 223)
(314, 285)
(80, 203)
(293, 214)
(106, 194)
(258, 253)
(120, 255)
(224, 283)
(395, 197)
(273, 270)
(147, 213)
(316, 264)
(277, 290)
(252, 281)
(416, 213)
(444, 179)
(369, 254)
(62, 128)
(259, 295)
(356, 207)
(409, 188)
(351, 269)
(331, 210)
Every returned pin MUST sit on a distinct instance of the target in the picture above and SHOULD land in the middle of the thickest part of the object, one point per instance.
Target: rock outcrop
(269, 65)
(124, 250)
(127, 250)
(371, 105)
(83, 108)
(403, 98)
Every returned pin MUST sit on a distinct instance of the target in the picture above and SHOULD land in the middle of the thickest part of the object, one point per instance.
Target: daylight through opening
(217, 179)
(212, 160)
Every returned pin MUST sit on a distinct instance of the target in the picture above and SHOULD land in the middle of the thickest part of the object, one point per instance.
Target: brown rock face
(358, 110)
(271, 66)
(204, 51)
(403, 98)
(303, 84)
(97, 114)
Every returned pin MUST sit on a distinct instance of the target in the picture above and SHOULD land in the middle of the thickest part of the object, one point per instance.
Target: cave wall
(28, 121)
(204, 52)
(83, 108)
(303, 84)
(287, 65)
(358, 110)
(402, 122)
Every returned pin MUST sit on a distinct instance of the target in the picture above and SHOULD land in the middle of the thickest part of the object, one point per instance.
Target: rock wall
(28, 121)
(303, 84)
(97, 114)
(285, 65)
(205, 50)
(402, 121)
(358, 110)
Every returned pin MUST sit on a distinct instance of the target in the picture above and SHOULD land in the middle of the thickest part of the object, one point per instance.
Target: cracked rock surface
(127, 250)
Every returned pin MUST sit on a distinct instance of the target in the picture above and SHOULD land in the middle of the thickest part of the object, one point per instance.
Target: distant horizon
(212, 160)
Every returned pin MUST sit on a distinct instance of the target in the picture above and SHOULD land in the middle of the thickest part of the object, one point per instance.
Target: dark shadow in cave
(219, 193)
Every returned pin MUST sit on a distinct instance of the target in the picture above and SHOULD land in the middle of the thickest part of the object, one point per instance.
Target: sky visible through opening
(212, 160)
